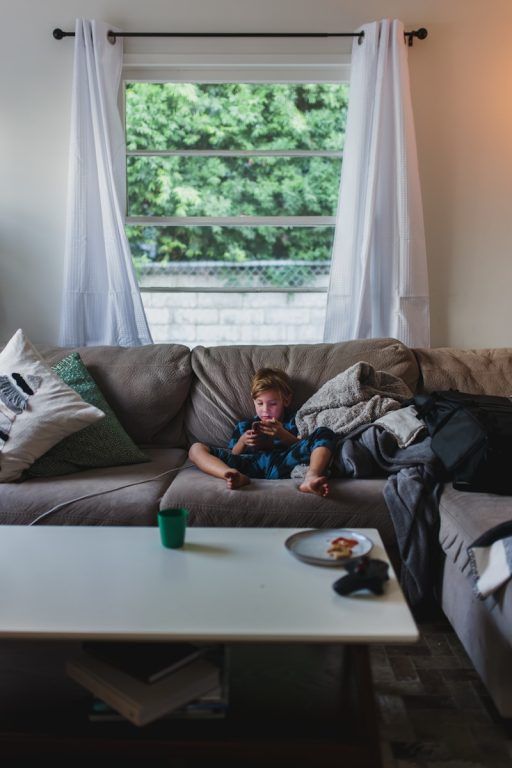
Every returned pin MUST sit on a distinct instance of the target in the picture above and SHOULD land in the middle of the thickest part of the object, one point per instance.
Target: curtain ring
(360, 38)
(111, 37)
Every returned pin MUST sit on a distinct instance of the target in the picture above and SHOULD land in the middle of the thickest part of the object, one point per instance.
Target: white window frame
(327, 65)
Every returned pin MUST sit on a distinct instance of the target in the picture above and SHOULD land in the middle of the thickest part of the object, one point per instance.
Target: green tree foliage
(185, 116)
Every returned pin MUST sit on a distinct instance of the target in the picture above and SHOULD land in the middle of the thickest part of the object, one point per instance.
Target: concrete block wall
(212, 319)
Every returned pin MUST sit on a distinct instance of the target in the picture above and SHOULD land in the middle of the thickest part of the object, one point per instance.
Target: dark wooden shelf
(307, 704)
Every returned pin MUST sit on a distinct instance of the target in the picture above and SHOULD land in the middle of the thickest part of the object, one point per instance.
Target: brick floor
(434, 711)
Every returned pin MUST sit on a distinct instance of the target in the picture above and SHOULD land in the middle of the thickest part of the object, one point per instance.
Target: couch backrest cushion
(478, 371)
(145, 386)
(220, 389)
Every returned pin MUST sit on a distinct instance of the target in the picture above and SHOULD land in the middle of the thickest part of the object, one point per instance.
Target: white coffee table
(226, 584)
(231, 585)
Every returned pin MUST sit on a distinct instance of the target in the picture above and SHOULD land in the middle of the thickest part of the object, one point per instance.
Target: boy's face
(270, 404)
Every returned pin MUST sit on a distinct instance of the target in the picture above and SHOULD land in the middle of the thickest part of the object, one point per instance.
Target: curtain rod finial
(420, 33)
(58, 33)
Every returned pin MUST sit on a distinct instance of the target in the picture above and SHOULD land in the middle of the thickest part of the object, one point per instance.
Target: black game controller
(363, 573)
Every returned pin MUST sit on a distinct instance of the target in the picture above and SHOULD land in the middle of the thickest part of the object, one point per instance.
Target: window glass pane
(231, 256)
(229, 186)
(162, 116)
(233, 284)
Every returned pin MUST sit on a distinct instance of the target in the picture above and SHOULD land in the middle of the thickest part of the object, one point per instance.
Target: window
(232, 185)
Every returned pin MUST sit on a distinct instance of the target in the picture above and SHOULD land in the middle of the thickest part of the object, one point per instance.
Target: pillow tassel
(12, 394)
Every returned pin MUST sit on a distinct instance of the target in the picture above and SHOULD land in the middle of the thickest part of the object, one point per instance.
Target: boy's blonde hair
(271, 378)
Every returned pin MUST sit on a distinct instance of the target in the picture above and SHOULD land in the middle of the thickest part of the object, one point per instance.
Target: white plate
(311, 546)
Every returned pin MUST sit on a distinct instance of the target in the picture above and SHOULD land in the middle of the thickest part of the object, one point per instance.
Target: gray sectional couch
(167, 396)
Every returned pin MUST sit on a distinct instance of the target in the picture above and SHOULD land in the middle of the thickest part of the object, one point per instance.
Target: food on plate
(341, 547)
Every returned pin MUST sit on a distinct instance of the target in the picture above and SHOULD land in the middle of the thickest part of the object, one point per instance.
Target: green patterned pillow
(102, 444)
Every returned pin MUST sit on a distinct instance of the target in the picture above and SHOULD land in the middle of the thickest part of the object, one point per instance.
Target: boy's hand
(261, 434)
(252, 437)
(273, 429)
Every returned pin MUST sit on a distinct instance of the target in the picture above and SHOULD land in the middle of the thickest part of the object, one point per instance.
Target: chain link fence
(282, 275)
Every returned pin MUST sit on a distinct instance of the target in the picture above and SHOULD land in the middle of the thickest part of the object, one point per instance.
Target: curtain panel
(379, 283)
(101, 299)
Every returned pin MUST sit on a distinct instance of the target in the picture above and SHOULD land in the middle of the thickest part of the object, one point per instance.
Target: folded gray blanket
(412, 496)
(351, 399)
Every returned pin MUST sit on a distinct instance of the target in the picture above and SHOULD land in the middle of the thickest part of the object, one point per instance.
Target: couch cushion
(109, 504)
(279, 504)
(483, 627)
(478, 371)
(220, 391)
(464, 517)
(145, 386)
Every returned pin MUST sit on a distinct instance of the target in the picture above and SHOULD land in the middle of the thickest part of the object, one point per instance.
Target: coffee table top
(226, 584)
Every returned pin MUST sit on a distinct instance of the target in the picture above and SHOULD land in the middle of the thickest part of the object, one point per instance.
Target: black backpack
(472, 437)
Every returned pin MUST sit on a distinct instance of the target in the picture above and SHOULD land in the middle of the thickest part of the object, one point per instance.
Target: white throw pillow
(37, 410)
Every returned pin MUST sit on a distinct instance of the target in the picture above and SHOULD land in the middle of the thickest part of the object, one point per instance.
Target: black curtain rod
(421, 34)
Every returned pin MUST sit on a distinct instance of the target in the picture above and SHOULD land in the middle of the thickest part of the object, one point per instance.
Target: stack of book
(145, 681)
(211, 706)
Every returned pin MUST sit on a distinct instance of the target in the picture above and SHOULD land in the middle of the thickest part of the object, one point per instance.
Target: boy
(268, 445)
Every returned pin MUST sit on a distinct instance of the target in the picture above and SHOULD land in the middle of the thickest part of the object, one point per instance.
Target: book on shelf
(141, 702)
(211, 706)
(148, 662)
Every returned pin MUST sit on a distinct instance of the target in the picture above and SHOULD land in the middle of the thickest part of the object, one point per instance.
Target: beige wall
(461, 78)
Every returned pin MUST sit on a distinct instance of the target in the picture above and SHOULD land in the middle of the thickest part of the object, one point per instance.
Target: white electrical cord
(109, 490)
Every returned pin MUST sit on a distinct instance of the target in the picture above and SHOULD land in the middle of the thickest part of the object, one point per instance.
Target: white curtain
(101, 301)
(379, 284)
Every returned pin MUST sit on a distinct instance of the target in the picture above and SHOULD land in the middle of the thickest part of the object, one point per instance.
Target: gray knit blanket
(355, 397)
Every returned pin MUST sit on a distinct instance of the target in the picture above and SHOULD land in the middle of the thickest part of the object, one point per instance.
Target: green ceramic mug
(173, 524)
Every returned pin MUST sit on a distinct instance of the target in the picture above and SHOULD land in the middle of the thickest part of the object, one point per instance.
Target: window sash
(260, 61)
(232, 221)
(337, 154)
(231, 289)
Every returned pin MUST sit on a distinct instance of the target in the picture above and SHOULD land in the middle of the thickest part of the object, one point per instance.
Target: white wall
(461, 78)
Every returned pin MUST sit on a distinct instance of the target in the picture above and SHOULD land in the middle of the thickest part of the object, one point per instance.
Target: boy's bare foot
(234, 479)
(317, 484)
